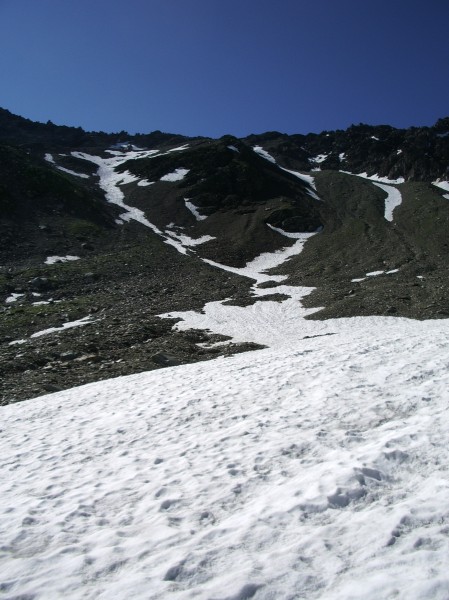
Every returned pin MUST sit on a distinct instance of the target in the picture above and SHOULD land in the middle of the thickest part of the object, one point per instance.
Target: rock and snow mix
(308, 179)
(317, 468)
(111, 180)
(394, 196)
(49, 158)
(194, 210)
(444, 185)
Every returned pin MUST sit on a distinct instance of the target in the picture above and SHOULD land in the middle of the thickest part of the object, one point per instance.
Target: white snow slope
(317, 468)
(315, 471)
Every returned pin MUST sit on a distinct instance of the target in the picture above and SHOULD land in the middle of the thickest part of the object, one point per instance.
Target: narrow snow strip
(392, 201)
(177, 175)
(179, 148)
(82, 175)
(13, 298)
(144, 183)
(110, 181)
(79, 323)
(394, 196)
(306, 178)
(49, 158)
(375, 273)
(51, 260)
(194, 210)
(17, 342)
(264, 154)
(376, 178)
(233, 148)
(289, 234)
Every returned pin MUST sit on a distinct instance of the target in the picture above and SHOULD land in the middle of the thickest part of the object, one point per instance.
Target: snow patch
(13, 298)
(51, 260)
(187, 241)
(194, 210)
(289, 234)
(233, 148)
(318, 159)
(79, 323)
(264, 154)
(177, 175)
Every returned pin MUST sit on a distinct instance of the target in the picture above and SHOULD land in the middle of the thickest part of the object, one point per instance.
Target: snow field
(319, 471)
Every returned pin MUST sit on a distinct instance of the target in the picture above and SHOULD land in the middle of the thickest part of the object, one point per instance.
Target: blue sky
(210, 67)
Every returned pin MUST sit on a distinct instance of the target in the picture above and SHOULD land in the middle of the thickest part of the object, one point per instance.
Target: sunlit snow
(51, 260)
(110, 181)
(315, 469)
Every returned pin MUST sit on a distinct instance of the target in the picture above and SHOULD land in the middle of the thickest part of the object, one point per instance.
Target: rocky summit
(101, 233)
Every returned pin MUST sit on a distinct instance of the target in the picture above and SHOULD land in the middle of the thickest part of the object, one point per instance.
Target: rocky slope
(112, 230)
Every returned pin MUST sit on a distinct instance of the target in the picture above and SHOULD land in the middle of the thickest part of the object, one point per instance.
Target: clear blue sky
(210, 67)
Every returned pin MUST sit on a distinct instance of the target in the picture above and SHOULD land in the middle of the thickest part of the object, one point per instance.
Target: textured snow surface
(314, 471)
